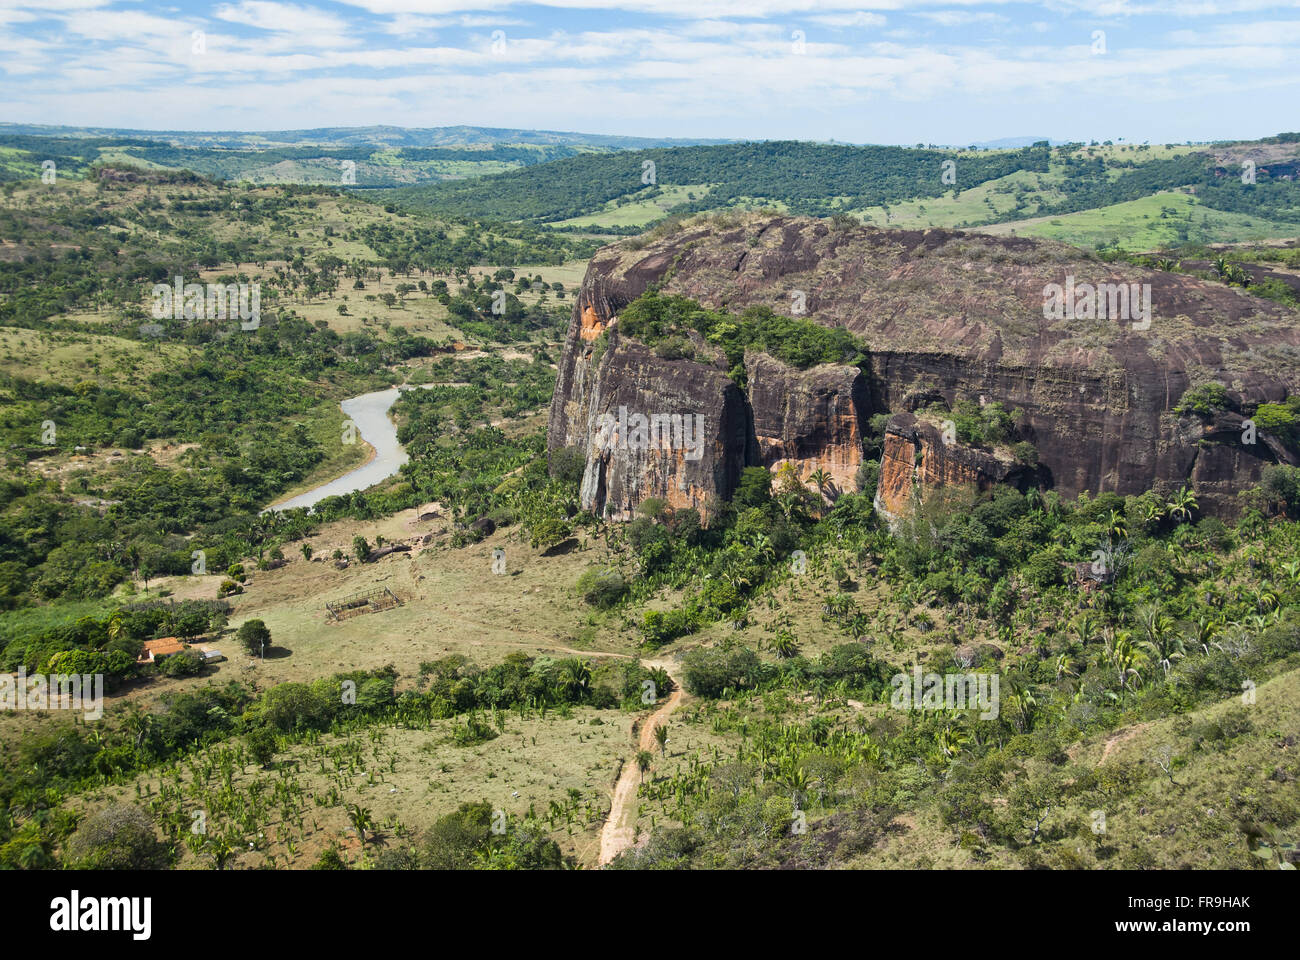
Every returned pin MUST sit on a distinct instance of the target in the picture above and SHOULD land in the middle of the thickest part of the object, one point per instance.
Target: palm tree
(950, 740)
(1034, 497)
(663, 683)
(661, 737)
(821, 479)
(1066, 665)
(361, 820)
(1162, 640)
(1085, 629)
(784, 645)
(838, 606)
(643, 760)
(1266, 597)
(574, 677)
(1152, 513)
(1183, 503)
(137, 722)
(1023, 697)
(1116, 526)
(1124, 658)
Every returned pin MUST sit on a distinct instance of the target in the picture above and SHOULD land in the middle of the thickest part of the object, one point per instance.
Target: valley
(627, 657)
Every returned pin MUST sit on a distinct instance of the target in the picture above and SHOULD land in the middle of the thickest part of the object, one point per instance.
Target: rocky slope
(945, 317)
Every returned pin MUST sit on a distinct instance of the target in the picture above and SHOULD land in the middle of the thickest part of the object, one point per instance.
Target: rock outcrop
(944, 316)
(917, 458)
(812, 419)
(703, 431)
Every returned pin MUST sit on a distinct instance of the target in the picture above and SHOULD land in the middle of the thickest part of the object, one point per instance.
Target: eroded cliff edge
(944, 316)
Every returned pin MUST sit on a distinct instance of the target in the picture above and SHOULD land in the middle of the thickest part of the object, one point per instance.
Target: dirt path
(620, 826)
(1121, 736)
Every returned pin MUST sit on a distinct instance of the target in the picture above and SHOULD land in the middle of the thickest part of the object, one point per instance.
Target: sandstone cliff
(916, 457)
(944, 315)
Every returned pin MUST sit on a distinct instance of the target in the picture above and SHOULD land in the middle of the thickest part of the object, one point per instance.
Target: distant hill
(912, 187)
(818, 179)
(355, 157)
(1124, 196)
(454, 136)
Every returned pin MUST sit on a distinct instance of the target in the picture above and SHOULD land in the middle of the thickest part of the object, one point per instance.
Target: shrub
(261, 745)
(664, 626)
(1203, 400)
(120, 837)
(709, 672)
(187, 663)
(602, 587)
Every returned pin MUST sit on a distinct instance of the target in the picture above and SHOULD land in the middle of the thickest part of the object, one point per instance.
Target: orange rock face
(592, 326)
(897, 471)
(810, 419)
(915, 458)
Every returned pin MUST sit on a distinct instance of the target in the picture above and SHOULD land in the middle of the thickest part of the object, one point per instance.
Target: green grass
(637, 213)
(1161, 220)
(31, 620)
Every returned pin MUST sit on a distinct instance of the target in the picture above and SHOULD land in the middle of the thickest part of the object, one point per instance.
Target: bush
(261, 745)
(709, 672)
(361, 547)
(293, 705)
(120, 837)
(1026, 453)
(187, 663)
(660, 627)
(602, 587)
(567, 464)
(1203, 400)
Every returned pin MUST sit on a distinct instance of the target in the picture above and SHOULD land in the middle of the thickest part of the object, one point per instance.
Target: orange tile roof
(162, 647)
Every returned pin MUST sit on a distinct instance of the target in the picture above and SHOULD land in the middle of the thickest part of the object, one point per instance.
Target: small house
(160, 649)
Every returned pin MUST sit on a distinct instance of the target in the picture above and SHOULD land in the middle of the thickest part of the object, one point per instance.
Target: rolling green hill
(355, 157)
(909, 187)
(810, 178)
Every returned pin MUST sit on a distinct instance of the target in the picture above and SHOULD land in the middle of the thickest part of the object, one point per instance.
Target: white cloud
(856, 19)
(1267, 33)
(281, 17)
(961, 18)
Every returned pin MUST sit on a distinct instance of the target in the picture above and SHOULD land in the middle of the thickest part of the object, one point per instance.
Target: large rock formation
(716, 438)
(945, 316)
(917, 456)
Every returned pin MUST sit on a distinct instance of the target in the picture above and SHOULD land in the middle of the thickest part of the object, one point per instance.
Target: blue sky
(881, 71)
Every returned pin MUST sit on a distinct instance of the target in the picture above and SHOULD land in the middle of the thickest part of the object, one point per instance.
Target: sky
(858, 71)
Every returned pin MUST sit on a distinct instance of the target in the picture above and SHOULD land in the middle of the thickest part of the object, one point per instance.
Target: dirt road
(620, 827)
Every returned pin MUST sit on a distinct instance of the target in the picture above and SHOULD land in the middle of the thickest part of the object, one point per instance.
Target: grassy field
(633, 211)
(70, 358)
(408, 778)
(1166, 219)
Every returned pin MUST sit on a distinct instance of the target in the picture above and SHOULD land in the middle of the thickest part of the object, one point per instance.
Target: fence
(369, 601)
